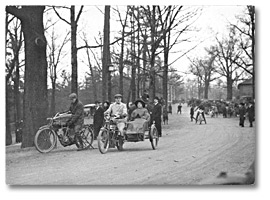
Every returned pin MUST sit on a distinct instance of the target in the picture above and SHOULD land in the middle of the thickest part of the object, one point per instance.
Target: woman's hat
(141, 101)
(156, 98)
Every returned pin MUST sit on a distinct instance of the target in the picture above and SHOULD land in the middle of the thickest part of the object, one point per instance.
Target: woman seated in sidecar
(139, 118)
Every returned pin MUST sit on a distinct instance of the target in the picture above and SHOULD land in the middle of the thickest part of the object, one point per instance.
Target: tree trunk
(8, 131)
(138, 57)
(121, 65)
(133, 68)
(252, 16)
(152, 61)
(35, 91)
(229, 88)
(74, 62)
(165, 74)
(144, 61)
(52, 110)
(106, 54)
(206, 87)
(17, 90)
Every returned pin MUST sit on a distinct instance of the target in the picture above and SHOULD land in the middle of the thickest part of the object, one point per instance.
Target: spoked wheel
(45, 140)
(153, 137)
(120, 144)
(87, 137)
(103, 141)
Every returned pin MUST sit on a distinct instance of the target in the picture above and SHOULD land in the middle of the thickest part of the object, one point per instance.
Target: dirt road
(186, 154)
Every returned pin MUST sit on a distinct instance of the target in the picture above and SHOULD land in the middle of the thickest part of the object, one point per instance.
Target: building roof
(246, 82)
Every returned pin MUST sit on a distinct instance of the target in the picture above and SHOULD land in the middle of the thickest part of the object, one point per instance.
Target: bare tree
(106, 61)
(247, 43)
(92, 73)
(74, 62)
(35, 91)
(228, 54)
(55, 55)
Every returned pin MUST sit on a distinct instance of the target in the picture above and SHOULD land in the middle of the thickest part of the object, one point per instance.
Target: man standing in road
(250, 112)
(242, 112)
(98, 119)
(156, 115)
(119, 110)
(76, 121)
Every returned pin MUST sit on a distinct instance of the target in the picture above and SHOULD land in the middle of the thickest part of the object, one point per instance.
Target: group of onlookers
(226, 109)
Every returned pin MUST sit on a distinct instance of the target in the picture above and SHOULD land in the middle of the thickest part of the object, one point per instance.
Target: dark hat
(106, 102)
(156, 98)
(141, 101)
(118, 95)
(97, 101)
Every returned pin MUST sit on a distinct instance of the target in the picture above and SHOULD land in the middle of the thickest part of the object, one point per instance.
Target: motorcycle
(46, 137)
(109, 136)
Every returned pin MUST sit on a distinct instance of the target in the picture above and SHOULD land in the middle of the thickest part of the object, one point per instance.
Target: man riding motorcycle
(119, 111)
(76, 121)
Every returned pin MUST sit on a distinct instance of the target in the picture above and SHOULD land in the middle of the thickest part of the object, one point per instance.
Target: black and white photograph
(131, 95)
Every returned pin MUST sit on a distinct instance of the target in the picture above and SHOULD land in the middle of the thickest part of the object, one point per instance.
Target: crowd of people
(241, 110)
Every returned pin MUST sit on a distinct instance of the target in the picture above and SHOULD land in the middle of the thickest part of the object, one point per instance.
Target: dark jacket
(242, 111)
(251, 113)
(77, 112)
(98, 117)
(156, 112)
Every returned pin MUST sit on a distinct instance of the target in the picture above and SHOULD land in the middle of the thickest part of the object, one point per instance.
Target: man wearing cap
(119, 110)
(156, 115)
(77, 118)
(98, 118)
(242, 112)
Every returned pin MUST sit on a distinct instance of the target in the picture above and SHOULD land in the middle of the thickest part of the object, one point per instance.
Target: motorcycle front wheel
(87, 137)
(120, 144)
(103, 140)
(153, 137)
(45, 140)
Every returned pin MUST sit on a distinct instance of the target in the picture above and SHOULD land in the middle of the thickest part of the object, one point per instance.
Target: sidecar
(139, 130)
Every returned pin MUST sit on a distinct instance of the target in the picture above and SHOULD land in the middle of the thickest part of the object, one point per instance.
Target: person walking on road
(156, 115)
(200, 107)
(242, 112)
(170, 108)
(250, 112)
(192, 112)
(179, 108)
(98, 119)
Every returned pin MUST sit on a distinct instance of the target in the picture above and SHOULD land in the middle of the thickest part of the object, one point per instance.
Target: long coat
(251, 113)
(98, 120)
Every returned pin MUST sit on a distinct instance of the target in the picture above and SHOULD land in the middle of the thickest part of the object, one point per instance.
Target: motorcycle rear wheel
(103, 141)
(45, 140)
